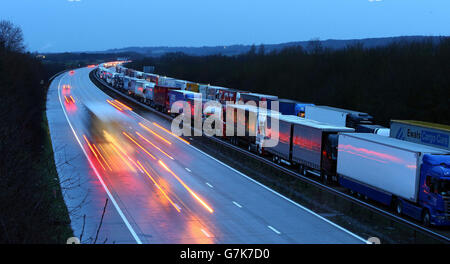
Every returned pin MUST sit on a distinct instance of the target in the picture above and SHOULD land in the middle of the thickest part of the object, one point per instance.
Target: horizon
(256, 44)
(83, 26)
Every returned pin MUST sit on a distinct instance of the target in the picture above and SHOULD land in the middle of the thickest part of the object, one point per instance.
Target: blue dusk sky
(94, 25)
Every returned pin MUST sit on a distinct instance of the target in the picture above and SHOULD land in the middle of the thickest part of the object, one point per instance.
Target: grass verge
(60, 229)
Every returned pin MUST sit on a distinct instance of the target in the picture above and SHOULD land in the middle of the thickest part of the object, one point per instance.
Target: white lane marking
(238, 205)
(284, 197)
(274, 230)
(265, 187)
(188, 169)
(133, 233)
(209, 185)
(204, 232)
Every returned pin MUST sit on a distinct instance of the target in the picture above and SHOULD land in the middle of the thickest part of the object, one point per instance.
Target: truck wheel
(398, 207)
(324, 179)
(426, 217)
(259, 150)
(276, 159)
(302, 170)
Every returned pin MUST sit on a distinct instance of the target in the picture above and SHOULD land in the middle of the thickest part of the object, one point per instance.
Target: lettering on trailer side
(423, 136)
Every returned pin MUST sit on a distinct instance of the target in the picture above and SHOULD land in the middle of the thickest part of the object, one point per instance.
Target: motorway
(160, 189)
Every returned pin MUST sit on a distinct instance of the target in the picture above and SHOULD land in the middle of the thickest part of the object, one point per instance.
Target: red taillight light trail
(137, 144)
(185, 141)
(186, 187)
(154, 133)
(69, 99)
(93, 151)
(66, 89)
(157, 185)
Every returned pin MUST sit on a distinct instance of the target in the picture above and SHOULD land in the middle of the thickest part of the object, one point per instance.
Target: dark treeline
(31, 206)
(398, 81)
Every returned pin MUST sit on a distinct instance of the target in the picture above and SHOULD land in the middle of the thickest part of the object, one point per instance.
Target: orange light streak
(114, 105)
(157, 185)
(187, 187)
(122, 158)
(154, 133)
(120, 151)
(93, 151)
(141, 136)
(124, 106)
(101, 156)
(134, 163)
(185, 141)
(139, 145)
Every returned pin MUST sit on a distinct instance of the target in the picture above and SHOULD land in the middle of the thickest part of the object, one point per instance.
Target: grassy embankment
(31, 202)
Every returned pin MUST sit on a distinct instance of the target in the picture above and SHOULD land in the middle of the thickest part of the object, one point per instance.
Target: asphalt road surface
(159, 188)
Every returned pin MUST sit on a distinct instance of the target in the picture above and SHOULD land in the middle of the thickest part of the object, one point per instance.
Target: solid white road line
(130, 228)
(209, 185)
(274, 230)
(188, 169)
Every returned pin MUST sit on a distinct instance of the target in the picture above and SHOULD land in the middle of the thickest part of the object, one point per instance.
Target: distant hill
(239, 49)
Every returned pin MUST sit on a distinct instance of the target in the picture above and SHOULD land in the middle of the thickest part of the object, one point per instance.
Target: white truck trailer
(413, 178)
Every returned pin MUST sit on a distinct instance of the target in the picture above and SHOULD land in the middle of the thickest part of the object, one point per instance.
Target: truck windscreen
(444, 187)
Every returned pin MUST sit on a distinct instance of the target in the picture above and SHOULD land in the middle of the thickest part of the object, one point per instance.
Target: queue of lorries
(406, 166)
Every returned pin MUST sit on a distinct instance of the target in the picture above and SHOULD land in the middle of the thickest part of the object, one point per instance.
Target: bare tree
(11, 37)
(314, 45)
